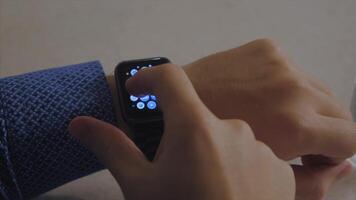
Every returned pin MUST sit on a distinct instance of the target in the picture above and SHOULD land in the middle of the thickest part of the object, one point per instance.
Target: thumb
(313, 182)
(109, 144)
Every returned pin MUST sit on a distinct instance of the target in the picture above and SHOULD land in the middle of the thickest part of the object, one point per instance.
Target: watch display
(137, 108)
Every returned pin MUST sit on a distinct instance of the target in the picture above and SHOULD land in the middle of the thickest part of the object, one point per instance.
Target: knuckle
(243, 128)
(296, 124)
(293, 84)
(269, 51)
(165, 73)
(168, 70)
(267, 43)
(267, 46)
(264, 149)
(242, 125)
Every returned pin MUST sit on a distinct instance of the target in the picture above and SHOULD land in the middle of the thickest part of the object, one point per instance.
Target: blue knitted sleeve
(36, 152)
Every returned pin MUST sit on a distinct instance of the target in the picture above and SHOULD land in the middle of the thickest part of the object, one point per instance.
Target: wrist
(116, 105)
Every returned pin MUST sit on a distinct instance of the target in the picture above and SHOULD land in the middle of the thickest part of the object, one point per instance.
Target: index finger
(175, 93)
(335, 138)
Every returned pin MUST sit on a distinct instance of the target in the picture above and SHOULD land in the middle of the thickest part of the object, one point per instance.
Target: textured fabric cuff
(36, 152)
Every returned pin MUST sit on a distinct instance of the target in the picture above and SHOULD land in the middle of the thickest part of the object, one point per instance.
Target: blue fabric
(36, 152)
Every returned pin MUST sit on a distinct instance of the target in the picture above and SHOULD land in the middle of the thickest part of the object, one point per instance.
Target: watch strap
(147, 137)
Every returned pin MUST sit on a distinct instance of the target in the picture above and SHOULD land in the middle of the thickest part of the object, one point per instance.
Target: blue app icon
(151, 105)
(140, 105)
(133, 72)
(145, 98)
(133, 98)
(153, 97)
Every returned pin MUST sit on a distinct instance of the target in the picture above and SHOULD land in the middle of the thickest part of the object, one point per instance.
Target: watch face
(134, 108)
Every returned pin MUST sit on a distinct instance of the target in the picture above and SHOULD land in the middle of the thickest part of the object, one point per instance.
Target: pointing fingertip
(134, 85)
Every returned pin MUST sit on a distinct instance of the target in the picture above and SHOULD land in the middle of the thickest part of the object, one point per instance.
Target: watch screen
(137, 107)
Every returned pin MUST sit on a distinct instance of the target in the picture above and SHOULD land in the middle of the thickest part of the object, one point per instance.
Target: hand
(291, 112)
(314, 181)
(200, 156)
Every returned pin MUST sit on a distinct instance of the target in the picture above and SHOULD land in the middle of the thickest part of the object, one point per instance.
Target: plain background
(318, 36)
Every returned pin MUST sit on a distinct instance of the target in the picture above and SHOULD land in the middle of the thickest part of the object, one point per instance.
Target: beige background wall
(319, 36)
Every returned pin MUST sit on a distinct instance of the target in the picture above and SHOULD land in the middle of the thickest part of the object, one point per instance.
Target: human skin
(291, 112)
(200, 156)
(287, 109)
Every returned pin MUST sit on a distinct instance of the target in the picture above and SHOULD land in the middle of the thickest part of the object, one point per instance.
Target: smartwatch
(140, 113)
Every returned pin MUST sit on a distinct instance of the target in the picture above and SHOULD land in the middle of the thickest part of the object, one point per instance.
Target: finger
(175, 93)
(241, 127)
(109, 144)
(333, 137)
(313, 182)
(320, 160)
(318, 85)
(332, 110)
(329, 108)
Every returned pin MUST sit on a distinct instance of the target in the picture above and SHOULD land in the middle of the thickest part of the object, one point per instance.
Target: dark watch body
(142, 114)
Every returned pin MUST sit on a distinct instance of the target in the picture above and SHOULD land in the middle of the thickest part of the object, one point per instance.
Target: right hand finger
(333, 137)
(175, 94)
(312, 182)
(183, 112)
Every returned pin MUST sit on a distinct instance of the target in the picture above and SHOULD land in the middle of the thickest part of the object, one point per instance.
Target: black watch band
(142, 114)
(147, 137)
